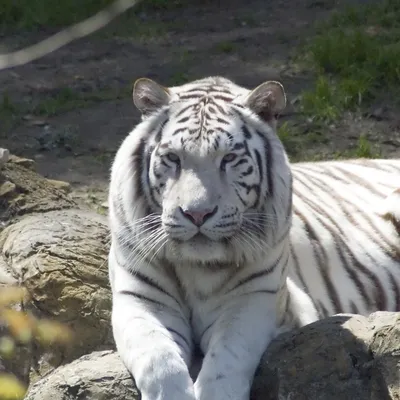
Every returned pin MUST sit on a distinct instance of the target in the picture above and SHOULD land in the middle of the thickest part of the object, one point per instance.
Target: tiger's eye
(229, 157)
(173, 157)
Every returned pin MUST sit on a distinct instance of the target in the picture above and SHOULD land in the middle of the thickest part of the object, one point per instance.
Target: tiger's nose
(198, 217)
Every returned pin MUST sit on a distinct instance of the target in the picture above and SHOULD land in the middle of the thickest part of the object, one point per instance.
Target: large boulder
(97, 376)
(58, 252)
(339, 358)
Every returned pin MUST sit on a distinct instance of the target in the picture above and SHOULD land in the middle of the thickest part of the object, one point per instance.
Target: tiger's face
(213, 169)
(205, 185)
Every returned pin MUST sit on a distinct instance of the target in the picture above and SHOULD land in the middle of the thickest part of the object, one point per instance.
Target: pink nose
(198, 217)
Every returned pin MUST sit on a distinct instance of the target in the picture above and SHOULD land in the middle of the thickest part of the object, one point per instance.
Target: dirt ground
(249, 41)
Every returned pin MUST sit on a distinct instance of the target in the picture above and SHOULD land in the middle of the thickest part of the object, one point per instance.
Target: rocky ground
(70, 110)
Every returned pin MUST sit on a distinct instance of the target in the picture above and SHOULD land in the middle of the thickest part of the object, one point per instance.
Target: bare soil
(249, 41)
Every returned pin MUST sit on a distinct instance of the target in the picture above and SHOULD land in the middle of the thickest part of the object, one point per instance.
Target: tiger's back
(345, 243)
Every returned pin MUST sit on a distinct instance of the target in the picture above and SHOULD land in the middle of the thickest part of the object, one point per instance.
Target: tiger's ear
(149, 96)
(267, 100)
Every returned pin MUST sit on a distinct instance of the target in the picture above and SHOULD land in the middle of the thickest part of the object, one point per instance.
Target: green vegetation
(31, 14)
(225, 47)
(363, 149)
(355, 55)
(34, 14)
(297, 139)
(67, 99)
(63, 100)
(8, 113)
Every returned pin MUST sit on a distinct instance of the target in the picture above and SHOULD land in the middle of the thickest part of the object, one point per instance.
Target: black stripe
(362, 182)
(298, 270)
(241, 161)
(183, 110)
(148, 281)
(340, 244)
(257, 275)
(138, 161)
(393, 252)
(322, 261)
(396, 291)
(248, 172)
(141, 297)
(246, 132)
(353, 308)
(173, 331)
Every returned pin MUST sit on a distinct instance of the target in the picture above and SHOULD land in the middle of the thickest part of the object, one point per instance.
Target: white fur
(201, 299)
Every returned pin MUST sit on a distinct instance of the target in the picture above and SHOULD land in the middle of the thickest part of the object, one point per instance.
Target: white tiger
(200, 214)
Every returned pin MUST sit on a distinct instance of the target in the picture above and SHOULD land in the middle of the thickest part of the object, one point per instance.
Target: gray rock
(23, 191)
(98, 376)
(61, 258)
(343, 358)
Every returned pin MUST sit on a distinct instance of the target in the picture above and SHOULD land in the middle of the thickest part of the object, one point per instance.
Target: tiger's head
(203, 178)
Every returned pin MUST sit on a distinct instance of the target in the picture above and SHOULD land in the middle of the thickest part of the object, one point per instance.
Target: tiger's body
(209, 250)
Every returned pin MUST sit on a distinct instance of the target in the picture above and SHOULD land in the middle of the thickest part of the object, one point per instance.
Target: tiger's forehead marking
(204, 129)
(204, 117)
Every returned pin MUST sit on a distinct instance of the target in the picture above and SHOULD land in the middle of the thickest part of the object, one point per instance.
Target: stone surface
(339, 358)
(24, 162)
(342, 358)
(63, 186)
(59, 253)
(98, 376)
(61, 258)
(23, 191)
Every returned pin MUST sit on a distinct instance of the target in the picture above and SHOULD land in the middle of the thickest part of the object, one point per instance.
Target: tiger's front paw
(222, 387)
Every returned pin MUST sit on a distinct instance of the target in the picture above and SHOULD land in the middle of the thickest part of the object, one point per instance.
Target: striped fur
(207, 250)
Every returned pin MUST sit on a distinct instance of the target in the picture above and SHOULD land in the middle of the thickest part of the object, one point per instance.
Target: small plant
(331, 97)
(225, 47)
(365, 149)
(286, 134)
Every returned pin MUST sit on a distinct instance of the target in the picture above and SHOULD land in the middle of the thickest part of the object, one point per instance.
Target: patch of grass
(287, 135)
(33, 14)
(363, 149)
(8, 114)
(178, 78)
(329, 98)
(67, 99)
(130, 25)
(36, 14)
(225, 47)
(356, 54)
(297, 140)
(161, 5)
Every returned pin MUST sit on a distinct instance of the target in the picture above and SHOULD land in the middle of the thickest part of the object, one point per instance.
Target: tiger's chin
(199, 250)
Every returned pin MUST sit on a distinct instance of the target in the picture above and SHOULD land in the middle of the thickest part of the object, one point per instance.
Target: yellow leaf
(7, 346)
(10, 295)
(48, 332)
(11, 388)
(19, 323)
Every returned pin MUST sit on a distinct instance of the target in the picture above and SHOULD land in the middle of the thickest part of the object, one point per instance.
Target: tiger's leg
(152, 338)
(234, 345)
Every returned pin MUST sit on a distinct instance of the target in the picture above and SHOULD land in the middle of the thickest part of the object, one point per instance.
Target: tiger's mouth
(198, 239)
